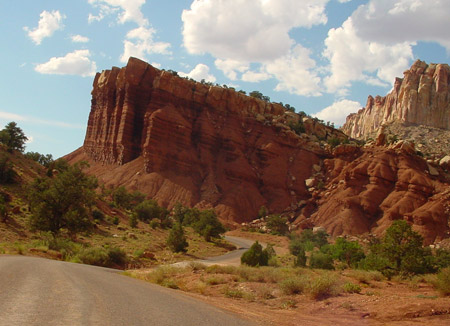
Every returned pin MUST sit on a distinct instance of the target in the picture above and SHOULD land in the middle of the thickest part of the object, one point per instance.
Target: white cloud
(201, 71)
(247, 31)
(74, 63)
(79, 39)
(375, 44)
(255, 76)
(338, 111)
(354, 59)
(8, 116)
(130, 10)
(48, 24)
(140, 42)
(231, 67)
(295, 73)
(392, 22)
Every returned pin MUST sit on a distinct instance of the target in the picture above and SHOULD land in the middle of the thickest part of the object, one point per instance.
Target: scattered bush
(443, 281)
(321, 260)
(100, 256)
(7, 173)
(177, 240)
(294, 285)
(277, 224)
(255, 256)
(351, 288)
(98, 215)
(324, 286)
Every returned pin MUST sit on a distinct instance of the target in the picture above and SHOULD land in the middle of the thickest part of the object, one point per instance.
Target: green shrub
(116, 256)
(97, 256)
(294, 285)
(148, 210)
(98, 215)
(351, 288)
(443, 281)
(277, 224)
(324, 286)
(133, 222)
(300, 259)
(177, 240)
(255, 256)
(321, 261)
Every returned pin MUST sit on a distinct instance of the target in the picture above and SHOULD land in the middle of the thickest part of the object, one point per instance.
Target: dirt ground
(383, 303)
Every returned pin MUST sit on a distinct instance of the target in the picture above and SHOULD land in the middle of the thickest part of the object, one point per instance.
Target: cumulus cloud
(231, 68)
(247, 31)
(239, 33)
(140, 42)
(130, 10)
(201, 71)
(375, 44)
(355, 59)
(295, 73)
(48, 24)
(338, 111)
(390, 22)
(74, 63)
(79, 39)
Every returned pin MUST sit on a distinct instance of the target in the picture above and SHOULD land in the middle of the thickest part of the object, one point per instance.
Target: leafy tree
(121, 197)
(308, 240)
(259, 95)
(7, 173)
(349, 252)
(148, 210)
(403, 248)
(255, 256)
(13, 137)
(400, 251)
(203, 222)
(177, 240)
(63, 201)
(208, 225)
(278, 224)
(44, 160)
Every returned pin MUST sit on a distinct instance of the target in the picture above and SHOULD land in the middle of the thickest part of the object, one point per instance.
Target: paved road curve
(36, 291)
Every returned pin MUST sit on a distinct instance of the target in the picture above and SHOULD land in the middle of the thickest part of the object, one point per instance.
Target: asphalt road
(36, 291)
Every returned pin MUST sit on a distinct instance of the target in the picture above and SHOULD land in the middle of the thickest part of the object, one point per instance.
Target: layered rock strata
(197, 144)
(422, 97)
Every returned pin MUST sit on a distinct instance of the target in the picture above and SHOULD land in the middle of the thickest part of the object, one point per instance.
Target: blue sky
(323, 57)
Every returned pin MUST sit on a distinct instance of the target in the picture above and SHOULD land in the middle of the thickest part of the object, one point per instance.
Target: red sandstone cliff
(181, 141)
(421, 97)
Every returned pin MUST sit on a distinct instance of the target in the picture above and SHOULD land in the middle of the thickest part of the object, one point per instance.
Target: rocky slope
(182, 141)
(368, 188)
(422, 97)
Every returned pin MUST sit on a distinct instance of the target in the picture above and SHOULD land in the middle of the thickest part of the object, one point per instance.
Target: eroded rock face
(421, 97)
(370, 189)
(196, 144)
(181, 141)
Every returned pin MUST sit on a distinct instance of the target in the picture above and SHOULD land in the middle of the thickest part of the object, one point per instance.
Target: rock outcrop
(370, 188)
(178, 140)
(422, 97)
(182, 141)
